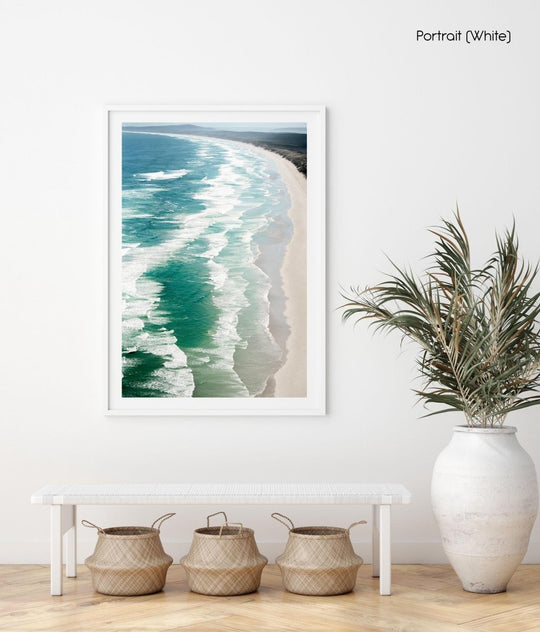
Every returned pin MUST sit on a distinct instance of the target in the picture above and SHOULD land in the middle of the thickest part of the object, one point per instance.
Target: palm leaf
(477, 328)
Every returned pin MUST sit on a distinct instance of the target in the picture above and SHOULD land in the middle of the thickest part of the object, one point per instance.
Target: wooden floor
(424, 599)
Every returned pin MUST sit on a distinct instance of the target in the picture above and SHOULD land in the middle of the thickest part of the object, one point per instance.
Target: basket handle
(86, 523)
(227, 524)
(274, 516)
(161, 520)
(354, 524)
(216, 514)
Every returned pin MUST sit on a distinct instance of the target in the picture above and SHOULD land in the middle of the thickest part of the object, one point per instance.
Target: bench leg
(381, 540)
(70, 530)
(56, 549)
(62, 521)
(375, 541)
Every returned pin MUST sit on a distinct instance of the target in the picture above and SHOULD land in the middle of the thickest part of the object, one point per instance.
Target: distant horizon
(277, 126)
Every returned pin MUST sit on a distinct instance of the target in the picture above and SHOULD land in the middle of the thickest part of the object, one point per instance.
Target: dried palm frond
(477, 328)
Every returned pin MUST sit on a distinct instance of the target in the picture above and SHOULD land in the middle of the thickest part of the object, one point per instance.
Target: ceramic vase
(485, 499)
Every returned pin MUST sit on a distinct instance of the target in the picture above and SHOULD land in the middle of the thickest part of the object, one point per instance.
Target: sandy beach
(291, 379)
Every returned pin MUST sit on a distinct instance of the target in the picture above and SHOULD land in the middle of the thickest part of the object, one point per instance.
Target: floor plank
(425, 598)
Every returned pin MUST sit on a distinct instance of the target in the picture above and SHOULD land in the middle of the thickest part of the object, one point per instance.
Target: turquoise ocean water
(204, 232)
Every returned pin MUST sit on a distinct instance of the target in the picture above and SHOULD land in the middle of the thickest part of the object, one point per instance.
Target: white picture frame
(226, 134)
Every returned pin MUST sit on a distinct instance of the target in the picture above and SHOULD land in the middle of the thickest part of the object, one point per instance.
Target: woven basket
(318, 560)
(223, 560)
(129, 560)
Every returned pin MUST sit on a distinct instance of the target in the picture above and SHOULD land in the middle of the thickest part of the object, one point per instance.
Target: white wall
(411, 130)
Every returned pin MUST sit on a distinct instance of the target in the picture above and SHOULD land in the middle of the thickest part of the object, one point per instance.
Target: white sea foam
(139, 194)
(216, 241)
(132, 324)
(222, 198)
(230, 287)
(200, 359)
(172, 174)
(218, 274)
(175, 377)
(229, 297)
(129, 213)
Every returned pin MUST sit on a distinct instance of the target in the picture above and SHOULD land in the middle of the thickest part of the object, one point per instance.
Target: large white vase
(485, 499)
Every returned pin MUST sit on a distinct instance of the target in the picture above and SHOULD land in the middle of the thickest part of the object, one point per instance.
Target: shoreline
(291, 378)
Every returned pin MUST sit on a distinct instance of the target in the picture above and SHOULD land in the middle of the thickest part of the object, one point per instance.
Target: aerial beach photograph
(214, 260)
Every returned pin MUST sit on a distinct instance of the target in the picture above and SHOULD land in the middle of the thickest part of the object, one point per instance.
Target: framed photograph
(216, 271)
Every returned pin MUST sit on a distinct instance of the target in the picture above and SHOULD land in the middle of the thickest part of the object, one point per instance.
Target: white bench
(63, 500)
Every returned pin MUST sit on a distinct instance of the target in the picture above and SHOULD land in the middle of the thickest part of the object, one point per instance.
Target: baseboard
(37, 552)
